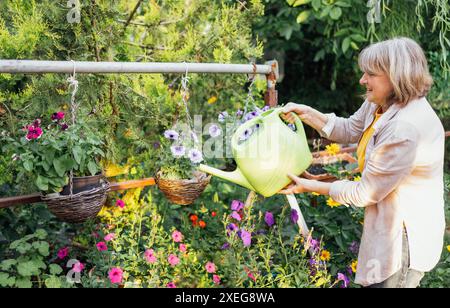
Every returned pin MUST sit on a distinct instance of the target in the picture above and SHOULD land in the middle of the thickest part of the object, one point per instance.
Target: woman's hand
(300, 185)
(308, 115)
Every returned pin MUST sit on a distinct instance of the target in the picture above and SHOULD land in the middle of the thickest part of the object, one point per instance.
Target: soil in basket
(316, 169)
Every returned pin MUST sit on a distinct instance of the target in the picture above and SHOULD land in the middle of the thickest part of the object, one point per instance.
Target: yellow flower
(354, 266)
(357, 178)
(448, 248)
(212, 100)
(332, 149)
(325, 255)
(315, 194)
(331, 203)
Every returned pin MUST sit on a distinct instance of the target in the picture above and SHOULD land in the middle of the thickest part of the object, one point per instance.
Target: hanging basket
(316, 172)
(183, 192)
(80, 206)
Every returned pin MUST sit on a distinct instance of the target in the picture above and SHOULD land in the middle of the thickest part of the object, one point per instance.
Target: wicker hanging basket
(183, 192)
(79, 207)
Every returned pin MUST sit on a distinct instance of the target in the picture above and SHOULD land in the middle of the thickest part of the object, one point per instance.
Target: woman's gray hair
(404, 62)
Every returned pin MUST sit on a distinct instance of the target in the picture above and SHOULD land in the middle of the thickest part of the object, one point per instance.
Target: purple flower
(354, 247)
(156, 145)
(34, 133)
(315, 244)
(214, 131)
(171, 134)
(222, 116)
(344, 279)
(231, 228)
(195, 156)
(294, 216)
(178, 150)
(237, 205)
(268, 218)
(247, 133)
(250, 116)
(236, 216)
(265, 108)
(225, 246)
(239, 112)
(246, 238)
(64, 126)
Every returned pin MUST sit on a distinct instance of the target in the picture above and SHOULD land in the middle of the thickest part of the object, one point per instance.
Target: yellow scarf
(362, 145)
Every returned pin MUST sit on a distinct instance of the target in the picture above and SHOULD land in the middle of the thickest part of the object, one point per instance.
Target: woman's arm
(337, 129)
(304, 185)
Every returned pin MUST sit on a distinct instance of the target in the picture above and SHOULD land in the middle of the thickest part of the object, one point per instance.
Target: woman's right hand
(307, 114)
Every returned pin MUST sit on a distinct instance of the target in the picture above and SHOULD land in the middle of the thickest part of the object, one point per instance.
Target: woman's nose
(363, 80)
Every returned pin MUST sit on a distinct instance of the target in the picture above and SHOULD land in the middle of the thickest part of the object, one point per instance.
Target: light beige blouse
(401, 184)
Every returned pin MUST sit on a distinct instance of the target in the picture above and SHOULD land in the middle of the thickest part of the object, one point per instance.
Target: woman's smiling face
(378, 87)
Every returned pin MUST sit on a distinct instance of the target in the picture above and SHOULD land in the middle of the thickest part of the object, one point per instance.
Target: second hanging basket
(183, 192)
(80, 206)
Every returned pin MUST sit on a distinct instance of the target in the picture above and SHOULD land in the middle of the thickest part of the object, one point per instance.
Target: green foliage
(27, 267)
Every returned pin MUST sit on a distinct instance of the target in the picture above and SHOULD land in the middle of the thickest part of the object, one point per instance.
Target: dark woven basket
(183, 192)
(79, 207)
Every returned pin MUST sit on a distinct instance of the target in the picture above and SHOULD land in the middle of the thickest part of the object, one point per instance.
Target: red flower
(213, 214)
(57, 116)
(193, 217)
(202, 224)
(34, 132)
(102, 246)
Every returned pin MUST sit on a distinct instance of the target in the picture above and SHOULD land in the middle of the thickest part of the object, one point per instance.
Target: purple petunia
(344, 279)
(247, 133)
(178, 150)
(226, 246)
(268, 218)
(354, 247)
(171, 134)
(246, 238)
(195, 156)
(315, 244)
(294, 216)
(236, 216)
(237, 205)
(222, 116)
(239, 112)
(214, 131)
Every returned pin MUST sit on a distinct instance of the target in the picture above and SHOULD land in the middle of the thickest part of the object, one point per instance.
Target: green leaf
(346, 44)
(296, 3)
(92, 166)
(343, 4)
(303, 16)
(6, 281)
(336, 13)
(53, 282)
(316, 4)
(41, 234)
(354, 46)
(325, 12)
(23, 247)
(28, 165)
(28, 269)
(24, 283)
(42, 183)
(77, 153)
(358, 38)
(55, 269)
(42, 247)
(7, 264)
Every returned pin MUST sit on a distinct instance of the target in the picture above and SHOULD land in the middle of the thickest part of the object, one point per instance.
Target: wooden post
(271, 96)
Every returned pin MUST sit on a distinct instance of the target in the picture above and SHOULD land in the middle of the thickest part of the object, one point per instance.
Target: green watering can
(266, 150)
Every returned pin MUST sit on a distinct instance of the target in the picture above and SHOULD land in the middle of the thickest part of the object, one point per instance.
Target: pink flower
(177, 236)
(109, 237)
(63, 252)
(101, 246)
(173, 259)
(210, 267)
(115, 275)
(216, 279)
(34, 132)
(57, 116)
(171, 285)
(149, 255)
(236, 216)
(183, 247)
(120, 204)
(78, 267)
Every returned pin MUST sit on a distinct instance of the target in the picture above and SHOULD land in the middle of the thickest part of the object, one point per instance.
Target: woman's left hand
(297, 187)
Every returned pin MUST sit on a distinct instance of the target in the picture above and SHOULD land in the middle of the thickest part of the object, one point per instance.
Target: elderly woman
(401, 156)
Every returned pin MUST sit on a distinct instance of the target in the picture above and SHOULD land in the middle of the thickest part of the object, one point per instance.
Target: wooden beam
(36, 197)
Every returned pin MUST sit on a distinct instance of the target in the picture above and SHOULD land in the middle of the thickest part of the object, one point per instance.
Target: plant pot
(183, 192)
(315, 171)
(83, 183)
(89, 196)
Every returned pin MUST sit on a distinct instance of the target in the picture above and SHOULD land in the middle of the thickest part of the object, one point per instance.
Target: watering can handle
(250, 123)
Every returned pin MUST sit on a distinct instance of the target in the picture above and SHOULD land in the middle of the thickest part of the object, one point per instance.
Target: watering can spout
(235, 176)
